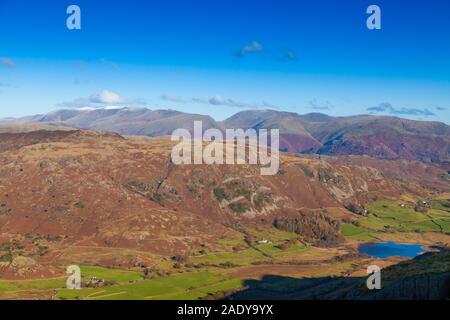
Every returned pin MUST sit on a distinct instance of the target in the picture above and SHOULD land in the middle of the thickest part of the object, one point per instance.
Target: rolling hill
(376, 136)
(77, 194)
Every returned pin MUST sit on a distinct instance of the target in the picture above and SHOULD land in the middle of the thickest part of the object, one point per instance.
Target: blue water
(391, 249)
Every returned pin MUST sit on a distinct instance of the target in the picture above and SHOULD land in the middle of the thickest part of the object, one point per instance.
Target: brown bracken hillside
(98, 198)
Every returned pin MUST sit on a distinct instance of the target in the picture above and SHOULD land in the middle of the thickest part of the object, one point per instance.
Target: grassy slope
(209, 279)
(356, 233)
(192, 285)
(385, 216)
(388, 216)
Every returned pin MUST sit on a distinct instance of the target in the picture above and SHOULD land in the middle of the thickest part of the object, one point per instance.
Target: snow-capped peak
(102, 108)
(85, 109)
(114, 108)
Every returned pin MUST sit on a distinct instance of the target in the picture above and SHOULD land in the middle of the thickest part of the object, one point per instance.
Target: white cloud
(252, 47)
(103, 99)
(107, 97)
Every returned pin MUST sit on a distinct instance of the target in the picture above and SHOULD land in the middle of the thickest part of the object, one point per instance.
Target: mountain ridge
(384, 137)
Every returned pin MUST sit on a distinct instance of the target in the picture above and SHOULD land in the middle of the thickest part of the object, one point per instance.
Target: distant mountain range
(376, 136)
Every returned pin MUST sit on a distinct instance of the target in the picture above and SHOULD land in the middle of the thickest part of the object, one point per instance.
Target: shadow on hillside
(274, 287)
(434, 286)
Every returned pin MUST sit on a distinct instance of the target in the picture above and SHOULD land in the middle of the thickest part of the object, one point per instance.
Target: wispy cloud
(110, 63)
(76, 103)
(176, 99)
(387, 107)
(230, 102)
(200, 100)
(7, 62)
(287, 55)
(268, 105)
(220, 101)
(252, 47)
(78, 81)
(314, 104)
(102, 99)
(439, 108)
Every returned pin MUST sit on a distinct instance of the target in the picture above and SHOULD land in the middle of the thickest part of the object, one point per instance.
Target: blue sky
(223, 56)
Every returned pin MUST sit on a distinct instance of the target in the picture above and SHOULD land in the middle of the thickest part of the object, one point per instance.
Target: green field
(14, 286)
(115, 275)
(205, 272)
(389, 216)
(272, 249)
(205, 275)
(127, 285)
(202, 275)
(257, 252)
(406, 219)
(189, 285)
(356, 233)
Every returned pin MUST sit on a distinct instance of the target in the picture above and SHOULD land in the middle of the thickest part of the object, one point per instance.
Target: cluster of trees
(314, 227)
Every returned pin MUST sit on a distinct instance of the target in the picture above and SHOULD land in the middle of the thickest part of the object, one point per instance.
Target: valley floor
(238, 268)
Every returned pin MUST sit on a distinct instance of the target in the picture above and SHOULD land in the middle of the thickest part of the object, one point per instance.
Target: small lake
(390, 249)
